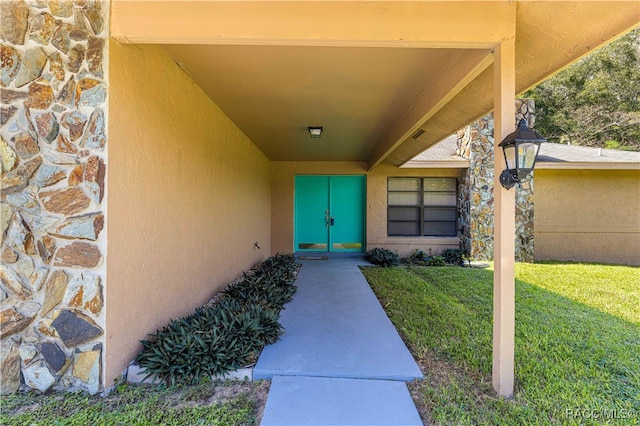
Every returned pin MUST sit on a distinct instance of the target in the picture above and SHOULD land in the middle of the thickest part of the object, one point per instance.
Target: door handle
(332, 221)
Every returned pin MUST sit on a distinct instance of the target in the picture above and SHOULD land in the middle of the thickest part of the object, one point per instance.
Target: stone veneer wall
(54, 101)
(475, 189)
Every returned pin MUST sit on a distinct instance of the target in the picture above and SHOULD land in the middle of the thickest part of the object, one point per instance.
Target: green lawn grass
(577, 342)
(128, 405)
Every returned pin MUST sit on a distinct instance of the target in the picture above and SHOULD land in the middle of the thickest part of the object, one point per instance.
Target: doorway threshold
(327, 255)
(312, 257)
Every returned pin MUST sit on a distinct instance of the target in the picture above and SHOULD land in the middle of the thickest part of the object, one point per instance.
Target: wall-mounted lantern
(520, 152)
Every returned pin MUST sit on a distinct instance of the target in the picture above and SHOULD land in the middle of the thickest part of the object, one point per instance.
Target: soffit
(550, 36)
(372, 73)
(273, 93)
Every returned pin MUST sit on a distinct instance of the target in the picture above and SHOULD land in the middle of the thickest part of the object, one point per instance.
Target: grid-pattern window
(422, 206)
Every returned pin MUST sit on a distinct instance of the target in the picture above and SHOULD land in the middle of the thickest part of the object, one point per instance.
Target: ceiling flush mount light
(315, 132)
(520, 153)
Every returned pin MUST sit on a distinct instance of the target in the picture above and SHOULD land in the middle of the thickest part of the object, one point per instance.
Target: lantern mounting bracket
(508, 179)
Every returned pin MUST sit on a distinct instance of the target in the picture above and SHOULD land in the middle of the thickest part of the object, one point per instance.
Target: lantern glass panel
(527, 155)
(510, 156)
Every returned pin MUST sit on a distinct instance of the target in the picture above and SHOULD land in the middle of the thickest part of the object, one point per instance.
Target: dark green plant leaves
(383, 257)
(454, 256)
(227, 335)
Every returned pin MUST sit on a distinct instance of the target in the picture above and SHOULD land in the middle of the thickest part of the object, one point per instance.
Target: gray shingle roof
(552, 156)
(443, 153)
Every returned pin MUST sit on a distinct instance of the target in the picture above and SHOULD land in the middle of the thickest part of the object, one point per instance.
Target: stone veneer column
(475, 189)
(54, 104)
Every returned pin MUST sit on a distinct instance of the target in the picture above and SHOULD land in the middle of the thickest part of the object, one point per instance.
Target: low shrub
(383, 257)
(223, 336)
(454, 256)
(449, 256)
(269, 284)
(436, 261)
(418, 257)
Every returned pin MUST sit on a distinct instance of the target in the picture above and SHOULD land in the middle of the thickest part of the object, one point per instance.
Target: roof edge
(454, 164)
(565, 165)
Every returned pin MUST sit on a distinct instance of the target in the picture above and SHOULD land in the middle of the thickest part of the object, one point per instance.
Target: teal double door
(329, 213)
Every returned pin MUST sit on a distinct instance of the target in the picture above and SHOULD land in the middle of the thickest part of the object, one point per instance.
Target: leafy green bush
(436, 261)
(418, 257)
(454, 256)
(383, 257)
(228, 334)
(450, 256)
(268, 285)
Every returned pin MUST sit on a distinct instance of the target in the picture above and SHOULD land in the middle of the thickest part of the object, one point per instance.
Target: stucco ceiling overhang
(371, 72)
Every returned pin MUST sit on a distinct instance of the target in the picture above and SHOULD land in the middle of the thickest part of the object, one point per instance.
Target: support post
(504, 224)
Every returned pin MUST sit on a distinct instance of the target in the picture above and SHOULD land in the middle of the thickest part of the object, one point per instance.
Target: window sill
(422, 240)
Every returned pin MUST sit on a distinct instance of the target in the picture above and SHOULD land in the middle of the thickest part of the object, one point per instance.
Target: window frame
(421, 208)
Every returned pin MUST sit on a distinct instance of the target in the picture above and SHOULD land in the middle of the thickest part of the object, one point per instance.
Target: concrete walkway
(340, 361)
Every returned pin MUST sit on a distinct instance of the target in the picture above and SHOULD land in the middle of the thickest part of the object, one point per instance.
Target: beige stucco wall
(587, 215)
(377, 213)
(189, 195)
(282, 192)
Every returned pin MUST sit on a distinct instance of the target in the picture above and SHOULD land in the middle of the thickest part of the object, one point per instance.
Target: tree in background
(596, 101)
